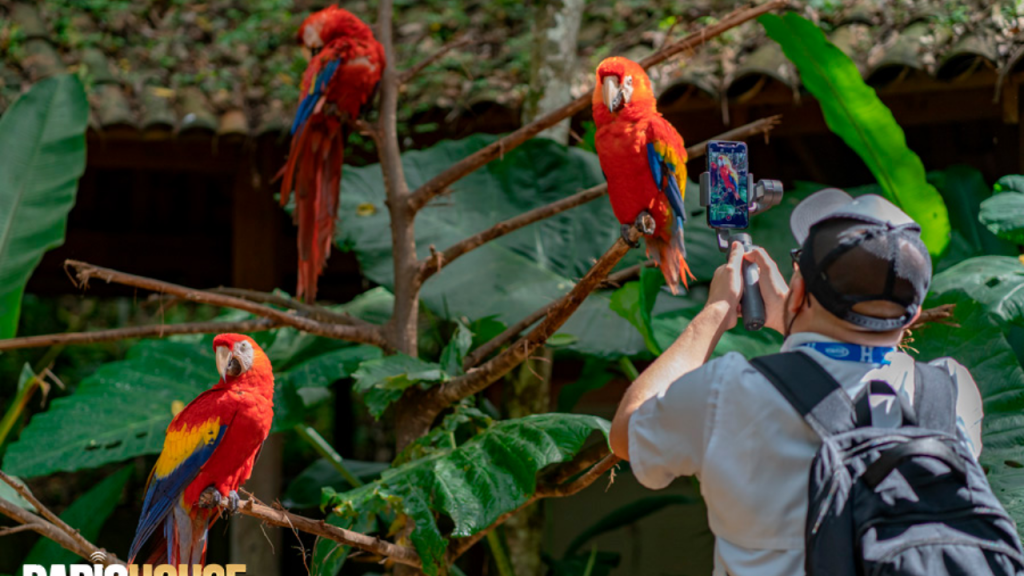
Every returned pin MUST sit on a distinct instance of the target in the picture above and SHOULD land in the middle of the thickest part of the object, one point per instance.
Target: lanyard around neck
(851, 352)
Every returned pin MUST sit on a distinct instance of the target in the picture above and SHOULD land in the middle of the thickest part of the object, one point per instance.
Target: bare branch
(439, 260)
(313, 311)
(442, 181)
(513, 331)
(50, 525)
(455, 43)
(367, 335)
(372, 544)
(158, 331)
(479, 378)
(939, 315)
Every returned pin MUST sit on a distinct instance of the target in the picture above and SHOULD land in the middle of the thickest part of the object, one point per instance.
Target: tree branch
(439, 260)
(49, 525)
(366, 335)
(442, 181)
(158, 331)
(406, 75)
(372, 544)
(513, 331)
(479, 378)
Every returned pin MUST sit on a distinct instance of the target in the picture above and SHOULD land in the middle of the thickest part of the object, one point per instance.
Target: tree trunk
(528, 392)
(556, 25)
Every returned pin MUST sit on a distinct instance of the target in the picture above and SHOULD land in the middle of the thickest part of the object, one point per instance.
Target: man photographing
(860, 275)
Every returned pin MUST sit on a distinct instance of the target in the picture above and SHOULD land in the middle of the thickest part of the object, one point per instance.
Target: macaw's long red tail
(183, 538)
(314, 172)
(670, 255)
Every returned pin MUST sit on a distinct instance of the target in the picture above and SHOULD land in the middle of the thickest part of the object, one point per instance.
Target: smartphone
(728, 205)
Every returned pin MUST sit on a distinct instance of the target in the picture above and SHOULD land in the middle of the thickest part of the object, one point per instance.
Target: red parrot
(644, 161)
(727, 175)
(339, 82)
(209, 450)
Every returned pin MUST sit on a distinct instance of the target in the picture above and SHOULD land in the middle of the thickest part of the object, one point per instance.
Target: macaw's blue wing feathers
(185, 453)
(662, 161)
(316, 90)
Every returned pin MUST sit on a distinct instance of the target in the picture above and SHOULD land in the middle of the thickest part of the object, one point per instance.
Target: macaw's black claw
(625, 236)
(210, 498)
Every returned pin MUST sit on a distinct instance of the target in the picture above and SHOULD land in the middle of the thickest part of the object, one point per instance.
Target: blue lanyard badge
(851, 352)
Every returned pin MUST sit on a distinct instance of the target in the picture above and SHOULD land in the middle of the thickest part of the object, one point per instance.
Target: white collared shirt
(725, 423)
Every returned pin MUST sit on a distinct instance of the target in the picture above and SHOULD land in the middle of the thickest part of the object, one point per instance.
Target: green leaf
(304, 491)
(328, 555)
(122, 410)
(595, 375)
(86, 514)
(995, 282)
(1003, 214)
(383, 381)
(635, 301)
(455, 351)
(854, 112)
(964, 190)
(979, 343)
(626, 515)
(43, 138)
(326, 368)
(473, 484)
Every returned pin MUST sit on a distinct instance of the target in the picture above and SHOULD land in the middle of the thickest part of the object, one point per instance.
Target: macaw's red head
(241, 361)
(321, 28)
(622, 88)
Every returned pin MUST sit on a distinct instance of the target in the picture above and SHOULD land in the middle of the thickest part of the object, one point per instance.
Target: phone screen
(728, 206)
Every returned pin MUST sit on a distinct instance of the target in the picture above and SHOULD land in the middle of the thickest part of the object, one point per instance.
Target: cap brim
(814, 209)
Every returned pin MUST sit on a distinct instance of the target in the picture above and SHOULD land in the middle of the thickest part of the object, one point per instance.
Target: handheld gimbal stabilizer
(763, 195)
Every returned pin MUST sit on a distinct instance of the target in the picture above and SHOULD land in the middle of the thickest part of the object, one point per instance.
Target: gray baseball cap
(863, 249)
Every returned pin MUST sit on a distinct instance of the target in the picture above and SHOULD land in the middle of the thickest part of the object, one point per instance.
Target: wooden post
(254, 229)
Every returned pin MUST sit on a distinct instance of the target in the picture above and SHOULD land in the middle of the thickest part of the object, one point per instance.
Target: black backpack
(885, 501)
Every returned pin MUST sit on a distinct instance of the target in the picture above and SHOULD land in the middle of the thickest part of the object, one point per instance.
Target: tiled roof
(226, 67)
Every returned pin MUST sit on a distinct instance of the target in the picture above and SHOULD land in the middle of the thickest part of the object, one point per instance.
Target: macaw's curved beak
(227, 364)
(612, 93)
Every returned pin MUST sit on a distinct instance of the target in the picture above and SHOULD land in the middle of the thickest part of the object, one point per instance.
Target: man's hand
(774, 288)
(727, 287)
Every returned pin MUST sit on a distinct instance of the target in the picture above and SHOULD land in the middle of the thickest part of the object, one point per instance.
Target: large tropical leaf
(855, 113)
(995, 282)
(87, 514)
(42, 136)
(1003, 214)
(123, 409)
(473, 484)
(511, 277)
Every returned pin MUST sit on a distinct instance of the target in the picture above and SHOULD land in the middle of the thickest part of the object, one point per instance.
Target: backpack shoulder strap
(811, 390)
(934, 398)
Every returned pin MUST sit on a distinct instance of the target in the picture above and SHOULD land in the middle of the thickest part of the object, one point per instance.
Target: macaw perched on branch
(208, 453)
(338, 84)
(644, 161)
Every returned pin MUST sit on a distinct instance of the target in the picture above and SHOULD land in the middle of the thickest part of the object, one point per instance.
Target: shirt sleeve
(969, 411)
(669, 433)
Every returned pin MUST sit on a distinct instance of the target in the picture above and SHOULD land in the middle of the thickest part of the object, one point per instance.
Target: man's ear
(797, 292)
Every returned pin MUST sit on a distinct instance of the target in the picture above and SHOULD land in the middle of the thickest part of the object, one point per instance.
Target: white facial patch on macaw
(243, 353)
(311, 36)
(235, 361)
(627, 89)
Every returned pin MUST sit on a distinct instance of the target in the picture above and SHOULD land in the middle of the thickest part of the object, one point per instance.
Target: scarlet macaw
(727, 175)
(209, 450)
(339, 82)
(644, 161)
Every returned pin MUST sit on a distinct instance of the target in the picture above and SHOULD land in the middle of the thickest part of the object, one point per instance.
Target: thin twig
(439, 260)
(313, 311)
(938, 315)
(50, 525)
(616, 279)
(158, 331)
(406, 75)
(513, 331)
(442, 181)
(84, 272)
(479, 378)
